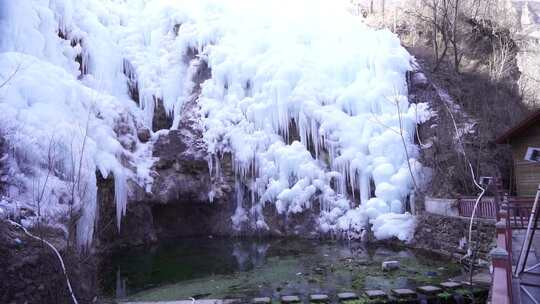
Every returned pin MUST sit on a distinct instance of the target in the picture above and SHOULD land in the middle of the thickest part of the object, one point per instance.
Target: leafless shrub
(501, 60)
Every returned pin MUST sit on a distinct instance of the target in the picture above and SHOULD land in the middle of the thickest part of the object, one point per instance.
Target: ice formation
(63, 100)
(311, 103)
(313, 106)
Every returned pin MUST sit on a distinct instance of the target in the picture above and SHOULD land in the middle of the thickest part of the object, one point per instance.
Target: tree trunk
(454, 36)
(435, 29)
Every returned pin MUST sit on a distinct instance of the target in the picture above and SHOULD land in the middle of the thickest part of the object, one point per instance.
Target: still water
(232, 268)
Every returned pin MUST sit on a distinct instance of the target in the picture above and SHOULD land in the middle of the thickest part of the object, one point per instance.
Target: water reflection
(227, 267)
(249, 256)
(121, 284)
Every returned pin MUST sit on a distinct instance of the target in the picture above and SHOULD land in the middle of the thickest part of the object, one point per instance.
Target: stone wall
(441, 206)
(448, 235)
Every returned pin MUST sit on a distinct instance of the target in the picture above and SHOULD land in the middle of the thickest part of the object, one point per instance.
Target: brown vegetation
(472, 57)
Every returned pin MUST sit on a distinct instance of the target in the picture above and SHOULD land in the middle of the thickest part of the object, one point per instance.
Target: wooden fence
(487, 207)
(518, 208)
(519, 212)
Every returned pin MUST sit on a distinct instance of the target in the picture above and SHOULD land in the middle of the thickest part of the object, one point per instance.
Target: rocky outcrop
(186, 199)
(162, 120)
(136, 227)
(193, 192)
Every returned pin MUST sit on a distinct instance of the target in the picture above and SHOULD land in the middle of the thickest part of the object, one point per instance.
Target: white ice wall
(272, 62)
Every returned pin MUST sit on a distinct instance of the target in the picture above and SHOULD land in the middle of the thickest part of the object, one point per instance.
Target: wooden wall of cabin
(527, 174)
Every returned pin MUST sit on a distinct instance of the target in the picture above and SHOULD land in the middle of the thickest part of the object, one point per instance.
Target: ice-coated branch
(11, 76)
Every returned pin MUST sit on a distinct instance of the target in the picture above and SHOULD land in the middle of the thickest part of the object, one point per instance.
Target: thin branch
(400, 132)
(10, 77)
(405, 144)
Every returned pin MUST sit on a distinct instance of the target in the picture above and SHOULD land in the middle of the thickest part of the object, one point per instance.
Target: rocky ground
(30, 272)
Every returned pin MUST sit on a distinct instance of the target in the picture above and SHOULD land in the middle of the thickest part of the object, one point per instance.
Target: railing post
(503, 206)
(504, 217)
(497, 203)
(500, 228)
(502, 276)
(458, 200)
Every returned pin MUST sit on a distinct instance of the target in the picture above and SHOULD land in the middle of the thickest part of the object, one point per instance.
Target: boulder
(144, 135)
(390, 265)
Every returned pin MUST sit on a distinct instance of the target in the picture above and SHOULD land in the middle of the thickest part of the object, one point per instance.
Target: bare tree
(500, 61)
(448, 23)
(78, 189)
(434, 15)
(455, 37)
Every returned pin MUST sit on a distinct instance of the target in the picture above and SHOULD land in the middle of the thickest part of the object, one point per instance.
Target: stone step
(429, 290)
(450, 285)
(376, 294)
(319, 298)
(402, 293)
(290, 299)
(202, 301)
(261, 300)
(346, 296)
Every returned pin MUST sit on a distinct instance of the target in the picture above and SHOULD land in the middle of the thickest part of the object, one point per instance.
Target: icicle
(302, 130)
(120, 195)
(314, 133)
(85, 227)
(218, 168)
(85, 61)
(148, 104)
(252, 192)
(352, 179)
(239, 215)
(211, 196)
(344, 177)
(210, 161)
(364, 188)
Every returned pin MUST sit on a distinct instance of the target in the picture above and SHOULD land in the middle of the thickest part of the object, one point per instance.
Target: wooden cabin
(522, 136)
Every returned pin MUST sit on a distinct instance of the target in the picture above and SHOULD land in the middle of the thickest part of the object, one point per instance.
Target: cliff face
(193, 192)
(186, 200)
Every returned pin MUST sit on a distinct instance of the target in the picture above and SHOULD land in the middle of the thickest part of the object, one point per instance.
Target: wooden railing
(501, 259)
(519, 211)
(487, 207)
(518, 208)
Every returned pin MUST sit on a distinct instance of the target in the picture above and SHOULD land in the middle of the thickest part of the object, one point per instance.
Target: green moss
(444, 295)
(358, 301)
(364, 300)
(415, 270)
(478, 294)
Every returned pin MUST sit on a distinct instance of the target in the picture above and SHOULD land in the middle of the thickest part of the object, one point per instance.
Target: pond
(239, 268)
